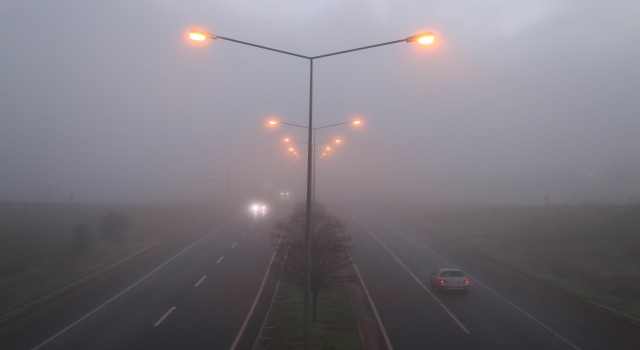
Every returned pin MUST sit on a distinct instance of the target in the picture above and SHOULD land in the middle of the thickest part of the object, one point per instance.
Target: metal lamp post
(198, 35)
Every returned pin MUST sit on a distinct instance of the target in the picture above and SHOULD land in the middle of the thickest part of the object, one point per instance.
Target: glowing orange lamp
(199, 35)
(424, 38)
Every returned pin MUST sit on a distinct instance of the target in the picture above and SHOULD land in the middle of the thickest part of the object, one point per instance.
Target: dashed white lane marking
(255, 301)
(165, 316)
(415, 278)
(234, 245)
(373, 306)
(498, 295)
(244, 234)
(200, 281)
(130, 287)
(219, 260)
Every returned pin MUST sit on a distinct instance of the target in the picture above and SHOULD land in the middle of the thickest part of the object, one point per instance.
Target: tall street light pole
(424, 38)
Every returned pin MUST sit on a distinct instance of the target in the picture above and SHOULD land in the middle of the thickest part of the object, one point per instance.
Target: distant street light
(313, 178)
(424, 38)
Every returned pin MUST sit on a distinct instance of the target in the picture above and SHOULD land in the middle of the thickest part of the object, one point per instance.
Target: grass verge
(589, 253)
(336, 327)
(36, 257)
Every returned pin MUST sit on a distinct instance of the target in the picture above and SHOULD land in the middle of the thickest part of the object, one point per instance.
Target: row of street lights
(315, 143)
(424, 39)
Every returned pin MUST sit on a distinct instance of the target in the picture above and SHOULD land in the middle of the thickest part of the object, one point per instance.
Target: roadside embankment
(37, 256)
(590, 253)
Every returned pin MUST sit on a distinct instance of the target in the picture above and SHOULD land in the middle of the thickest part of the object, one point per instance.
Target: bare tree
(329, 250)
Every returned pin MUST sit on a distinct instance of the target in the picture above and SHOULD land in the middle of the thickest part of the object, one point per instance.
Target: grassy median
(336, 327)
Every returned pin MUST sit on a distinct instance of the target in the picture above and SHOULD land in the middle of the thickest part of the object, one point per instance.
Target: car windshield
(451, 274)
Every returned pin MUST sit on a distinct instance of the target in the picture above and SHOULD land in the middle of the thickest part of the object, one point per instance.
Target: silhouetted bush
(81, 237)
(330, 251)
(113, 226)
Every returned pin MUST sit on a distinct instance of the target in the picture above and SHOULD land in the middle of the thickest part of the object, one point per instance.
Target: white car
(450, 278)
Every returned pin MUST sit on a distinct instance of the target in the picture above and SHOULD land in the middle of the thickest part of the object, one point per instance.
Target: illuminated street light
(424, 38)
(199, 35)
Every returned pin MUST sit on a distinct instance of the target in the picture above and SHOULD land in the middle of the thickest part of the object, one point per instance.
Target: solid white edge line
(416, 278)
(200, 281)
(234, 245)
(244, 234)
(373, 306)
(164, 316)
(131, 286)
(219, 260)
(255, 301)
(498, 295)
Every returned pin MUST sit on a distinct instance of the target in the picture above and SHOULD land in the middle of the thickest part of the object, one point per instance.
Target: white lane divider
(234, 245)
(200, 281)
(255, 301)
(373, 306)
(496, 294)
(415, 278)
(131, 286)
(219, 260)
(244, 234)
(165, 316)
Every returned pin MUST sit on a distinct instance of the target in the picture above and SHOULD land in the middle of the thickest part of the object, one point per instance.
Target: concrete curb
(617, 314)
(66, 288)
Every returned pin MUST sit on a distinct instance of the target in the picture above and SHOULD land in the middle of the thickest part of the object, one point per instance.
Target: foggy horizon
(515, 100)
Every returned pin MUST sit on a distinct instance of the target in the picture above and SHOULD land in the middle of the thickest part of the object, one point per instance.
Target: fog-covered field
(37, 255)
(589, 252)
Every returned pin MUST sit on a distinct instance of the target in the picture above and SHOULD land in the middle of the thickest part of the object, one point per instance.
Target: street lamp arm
(360, 48)
(328, 126)
(322, 143)
(263, 47)
(299, 126)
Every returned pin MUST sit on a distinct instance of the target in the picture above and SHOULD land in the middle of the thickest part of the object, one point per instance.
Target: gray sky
(516, 99)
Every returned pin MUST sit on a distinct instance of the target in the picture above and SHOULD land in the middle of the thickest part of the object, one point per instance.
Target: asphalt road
(502, 310)
(164, 300)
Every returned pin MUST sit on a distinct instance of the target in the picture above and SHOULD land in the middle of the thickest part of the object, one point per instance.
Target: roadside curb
(614, 313)
(269, 324)
(9, 315)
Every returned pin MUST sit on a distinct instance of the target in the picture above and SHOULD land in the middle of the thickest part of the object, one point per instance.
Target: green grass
(335, 329)
(590, 253)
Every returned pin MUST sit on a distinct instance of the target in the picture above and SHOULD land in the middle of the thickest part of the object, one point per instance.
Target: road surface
(193, 295)
(502, 310)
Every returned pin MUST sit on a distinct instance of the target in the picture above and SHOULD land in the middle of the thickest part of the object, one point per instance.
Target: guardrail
(66, 288)
(617, 314)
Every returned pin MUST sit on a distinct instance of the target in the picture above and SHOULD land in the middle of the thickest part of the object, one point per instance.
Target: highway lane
(501, 311)
(156, 303)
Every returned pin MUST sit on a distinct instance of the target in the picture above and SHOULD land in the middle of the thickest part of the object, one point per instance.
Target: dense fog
(515, 101)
